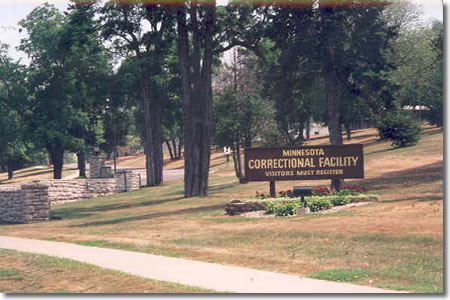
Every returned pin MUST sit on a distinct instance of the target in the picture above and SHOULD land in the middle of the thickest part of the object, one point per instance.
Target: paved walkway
(205, 275)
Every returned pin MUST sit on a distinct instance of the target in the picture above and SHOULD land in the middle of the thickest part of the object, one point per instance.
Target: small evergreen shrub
(400, 127)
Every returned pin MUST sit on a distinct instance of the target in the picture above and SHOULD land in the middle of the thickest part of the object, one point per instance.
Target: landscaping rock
(362, 199)
(235, 208)
(302, 211)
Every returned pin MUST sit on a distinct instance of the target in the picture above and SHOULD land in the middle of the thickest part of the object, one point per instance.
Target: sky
(12, 11)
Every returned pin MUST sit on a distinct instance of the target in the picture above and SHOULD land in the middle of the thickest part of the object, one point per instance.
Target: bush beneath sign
(285, 204)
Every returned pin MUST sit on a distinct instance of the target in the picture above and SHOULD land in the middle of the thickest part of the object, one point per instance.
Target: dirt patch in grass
(30, 273)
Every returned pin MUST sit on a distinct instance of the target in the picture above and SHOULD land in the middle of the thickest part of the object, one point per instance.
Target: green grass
(130, 247)
(61, 292)
(4, 272)
(342, 275)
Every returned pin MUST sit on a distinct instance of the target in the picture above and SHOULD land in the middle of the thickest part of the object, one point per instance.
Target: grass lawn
(396, 243)
(31, 273)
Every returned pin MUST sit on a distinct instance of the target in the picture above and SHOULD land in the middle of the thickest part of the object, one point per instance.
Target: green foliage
(240, 110)
(343, 275)
(270, 207)
(319, 203)
(69, 70)
(418, 73)
(340, 200)
(399, 126)
(8, 272)
(287, 209)
(282, 208)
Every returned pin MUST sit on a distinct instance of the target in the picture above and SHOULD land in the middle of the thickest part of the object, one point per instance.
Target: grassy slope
(35, 173)
(396, 243)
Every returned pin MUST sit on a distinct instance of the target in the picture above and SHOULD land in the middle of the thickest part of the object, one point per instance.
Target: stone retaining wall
(31, 202)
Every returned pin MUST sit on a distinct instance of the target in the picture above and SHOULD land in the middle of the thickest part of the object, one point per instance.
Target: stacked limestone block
(128, 180)
(12, 205)
(67, 190)
(95, 166)
(37, 204)
(25, 204)
(106, 172)
(134, 182)
(103, 187)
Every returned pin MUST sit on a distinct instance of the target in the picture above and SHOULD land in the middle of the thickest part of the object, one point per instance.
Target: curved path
(200, 274)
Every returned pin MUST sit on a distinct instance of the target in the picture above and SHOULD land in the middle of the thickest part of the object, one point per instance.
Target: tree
(123, 24)
(399, 126)
(201, 38)
(418, 72)
(339, 47)
(196, 76)
(240, 112)
(90, 63)
(56, 118)
(14, 145)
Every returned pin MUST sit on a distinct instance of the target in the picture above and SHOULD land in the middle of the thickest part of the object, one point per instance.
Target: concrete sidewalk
(205, 275)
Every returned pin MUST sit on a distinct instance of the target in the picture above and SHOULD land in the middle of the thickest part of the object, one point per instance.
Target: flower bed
(285, 204)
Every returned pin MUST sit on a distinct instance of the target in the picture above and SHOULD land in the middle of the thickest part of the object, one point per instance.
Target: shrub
(400, 127)
(322, 192)
(340, 200)
(287, 208)
(270, 207)
(351, 190)
(286, 194)
(282, 208)
(316, 204)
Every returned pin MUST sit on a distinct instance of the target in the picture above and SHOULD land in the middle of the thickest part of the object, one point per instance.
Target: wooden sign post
(273, 192)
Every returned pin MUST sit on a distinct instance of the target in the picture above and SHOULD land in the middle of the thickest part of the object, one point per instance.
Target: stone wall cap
(35, 185)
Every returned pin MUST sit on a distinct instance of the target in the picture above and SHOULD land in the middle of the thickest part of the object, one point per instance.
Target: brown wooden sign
(304, 163)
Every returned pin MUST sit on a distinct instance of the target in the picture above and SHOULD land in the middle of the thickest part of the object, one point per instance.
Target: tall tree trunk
(81, 157)
(348, 131)
(333, 95)
(10, 169)
(57, 157)
(115, 159)
(301, 128)
(174, 147)
(180, 148)
(239, 161)
(152, 135)
(235, 163)
(308, 129)
(172, 157)
(158, 158)
(196, 80)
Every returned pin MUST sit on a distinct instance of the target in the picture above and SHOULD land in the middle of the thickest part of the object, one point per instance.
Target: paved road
(200, 274)
(167, 174)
